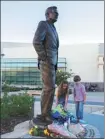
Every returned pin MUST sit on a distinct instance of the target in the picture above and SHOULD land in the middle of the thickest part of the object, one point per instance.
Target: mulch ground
(8, 125)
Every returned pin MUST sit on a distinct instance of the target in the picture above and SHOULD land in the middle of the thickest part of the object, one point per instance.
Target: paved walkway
(97, 121)
(88, 102)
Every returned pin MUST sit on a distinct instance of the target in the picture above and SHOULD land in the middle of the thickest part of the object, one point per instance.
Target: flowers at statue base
(35, 131)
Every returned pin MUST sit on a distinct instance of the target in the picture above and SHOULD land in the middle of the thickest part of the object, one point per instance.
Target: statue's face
(53, 15)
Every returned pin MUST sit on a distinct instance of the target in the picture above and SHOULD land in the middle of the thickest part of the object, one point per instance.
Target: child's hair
(77, 78)
(60, 88)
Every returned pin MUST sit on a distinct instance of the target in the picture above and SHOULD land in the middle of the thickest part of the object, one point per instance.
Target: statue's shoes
(42, 120)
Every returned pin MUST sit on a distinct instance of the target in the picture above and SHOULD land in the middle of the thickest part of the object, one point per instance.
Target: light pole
(1, 70)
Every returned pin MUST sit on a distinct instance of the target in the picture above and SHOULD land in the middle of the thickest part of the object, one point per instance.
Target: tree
(62, 76)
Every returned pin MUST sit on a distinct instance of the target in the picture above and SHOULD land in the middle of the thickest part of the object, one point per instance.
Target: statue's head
(51, 14)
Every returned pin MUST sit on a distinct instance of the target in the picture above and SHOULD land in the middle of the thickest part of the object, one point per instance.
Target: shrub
(16, 105)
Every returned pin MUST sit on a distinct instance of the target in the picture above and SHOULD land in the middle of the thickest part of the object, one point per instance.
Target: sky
(78, 22)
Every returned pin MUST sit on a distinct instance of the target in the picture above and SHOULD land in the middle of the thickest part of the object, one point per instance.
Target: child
(79, 97)
(62, 94)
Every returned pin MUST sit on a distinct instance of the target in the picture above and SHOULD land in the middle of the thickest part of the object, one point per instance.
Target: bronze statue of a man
(46, 44)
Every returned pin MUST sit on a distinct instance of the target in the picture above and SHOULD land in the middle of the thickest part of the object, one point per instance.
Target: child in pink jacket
(79, 97)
